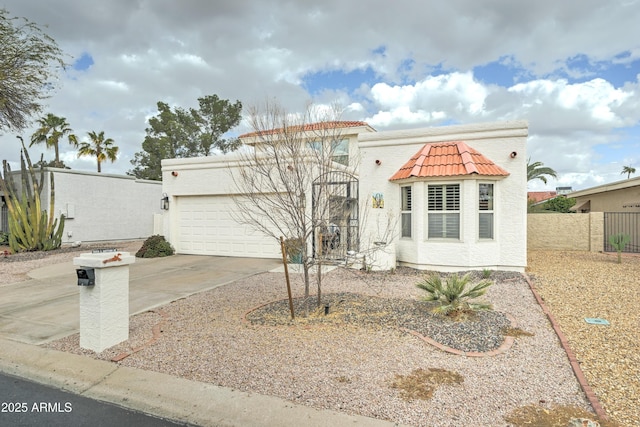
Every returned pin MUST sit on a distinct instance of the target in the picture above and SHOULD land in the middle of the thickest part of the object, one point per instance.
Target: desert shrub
(4, 238)
(619, 241)
(453, 296)
(154, 247)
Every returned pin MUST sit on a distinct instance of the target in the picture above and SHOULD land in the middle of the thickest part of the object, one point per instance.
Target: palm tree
(537, 170)
(99, 147)
(51, 129)
(628, 170)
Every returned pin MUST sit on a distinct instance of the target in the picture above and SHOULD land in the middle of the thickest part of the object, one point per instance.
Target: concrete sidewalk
(45, 308)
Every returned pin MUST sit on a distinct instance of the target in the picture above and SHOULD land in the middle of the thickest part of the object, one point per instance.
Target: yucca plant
(31, 228)
(452, 295)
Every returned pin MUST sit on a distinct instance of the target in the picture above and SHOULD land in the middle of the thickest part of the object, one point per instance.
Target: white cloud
(190, 59)
(455, 96)
(596, 99)
(175, 52)
(114, 85)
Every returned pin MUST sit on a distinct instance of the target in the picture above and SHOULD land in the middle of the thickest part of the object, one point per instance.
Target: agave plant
(452, 295)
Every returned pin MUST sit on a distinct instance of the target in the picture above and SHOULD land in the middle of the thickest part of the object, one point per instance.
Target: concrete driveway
(46, 307)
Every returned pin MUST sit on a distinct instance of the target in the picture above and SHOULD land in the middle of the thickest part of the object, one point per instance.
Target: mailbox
(86, 276)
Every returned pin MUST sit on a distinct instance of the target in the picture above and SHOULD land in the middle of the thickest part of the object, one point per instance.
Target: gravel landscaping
(479, 332)
(240, 336)
(579, 285)
(351, 366)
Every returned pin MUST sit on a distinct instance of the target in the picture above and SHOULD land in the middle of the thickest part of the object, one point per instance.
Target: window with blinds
(406, 211)
(443, 216)
(485, 207)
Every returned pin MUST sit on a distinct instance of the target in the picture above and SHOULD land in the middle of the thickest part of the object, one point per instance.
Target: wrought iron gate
(622, 222)
(335, 215)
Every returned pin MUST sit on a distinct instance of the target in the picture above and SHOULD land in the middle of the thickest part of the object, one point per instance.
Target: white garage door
(206, 227)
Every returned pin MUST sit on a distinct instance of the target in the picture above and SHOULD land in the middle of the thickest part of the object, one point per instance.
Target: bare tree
(30, 61)
(284, 182)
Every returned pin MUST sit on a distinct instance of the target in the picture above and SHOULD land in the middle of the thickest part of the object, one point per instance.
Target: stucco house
(455, 197)
(620, 203)
(620, 196)
(99, 206)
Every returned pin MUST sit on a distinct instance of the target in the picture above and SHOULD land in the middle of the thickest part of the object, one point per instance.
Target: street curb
(575, 365)
(164, 395)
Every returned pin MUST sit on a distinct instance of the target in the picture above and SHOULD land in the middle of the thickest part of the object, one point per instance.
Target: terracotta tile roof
(539, 196)
(309, 127)
(447, 159)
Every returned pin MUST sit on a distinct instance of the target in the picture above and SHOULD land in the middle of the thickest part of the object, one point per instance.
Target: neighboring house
(620, 196)
(620, 202)
(538, 197)
(541, 196)
(455, 195)
(102, 207)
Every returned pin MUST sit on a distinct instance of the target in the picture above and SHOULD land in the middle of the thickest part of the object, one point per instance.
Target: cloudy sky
(571, 68)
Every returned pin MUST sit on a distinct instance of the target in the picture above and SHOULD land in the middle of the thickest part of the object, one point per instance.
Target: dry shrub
(516, 332)
(421, 383)
(557, 416)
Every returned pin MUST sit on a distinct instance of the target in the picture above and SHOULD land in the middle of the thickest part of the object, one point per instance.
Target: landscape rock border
(575, 365)
(505, 346)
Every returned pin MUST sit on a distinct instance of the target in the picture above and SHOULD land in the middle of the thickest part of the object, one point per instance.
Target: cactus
(619, 241)
(30, 227)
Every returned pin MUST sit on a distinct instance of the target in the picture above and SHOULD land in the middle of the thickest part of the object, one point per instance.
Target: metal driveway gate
(622, 222)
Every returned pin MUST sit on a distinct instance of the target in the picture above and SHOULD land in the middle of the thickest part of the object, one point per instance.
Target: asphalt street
(26, 403)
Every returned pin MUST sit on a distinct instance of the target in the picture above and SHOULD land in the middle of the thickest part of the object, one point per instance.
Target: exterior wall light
(174, 173)
(164, 202)
(513, 154)
(378, 162)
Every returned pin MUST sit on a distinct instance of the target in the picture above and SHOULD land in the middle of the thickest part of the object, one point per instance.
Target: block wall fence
(568, 232)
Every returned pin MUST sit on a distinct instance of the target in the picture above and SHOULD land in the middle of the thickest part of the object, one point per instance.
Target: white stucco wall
(496, 141)
(198, 176)
(210, 176)
(205, 176)
(101, 207)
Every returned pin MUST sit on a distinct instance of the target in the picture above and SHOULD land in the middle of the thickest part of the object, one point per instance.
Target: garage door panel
(206, 227)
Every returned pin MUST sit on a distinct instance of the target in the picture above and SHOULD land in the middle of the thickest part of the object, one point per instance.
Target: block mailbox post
(103, 279)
